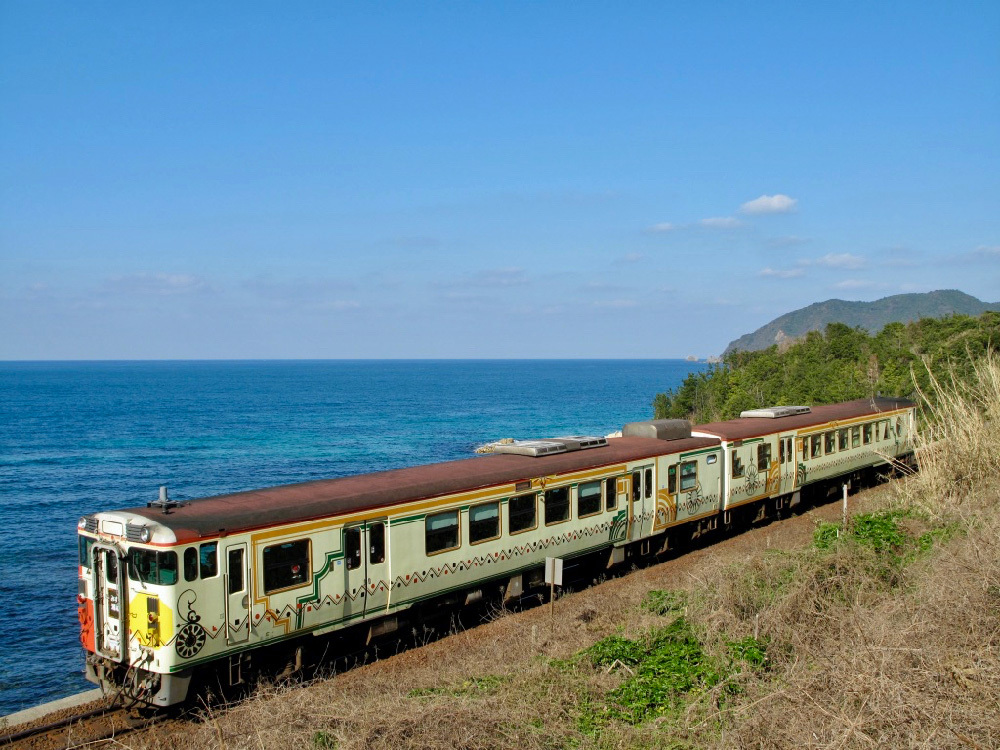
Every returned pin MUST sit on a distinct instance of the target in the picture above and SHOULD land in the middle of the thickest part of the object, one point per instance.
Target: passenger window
(781, 451)
(866, 433)
(648, 480)
(636, 486)
(190, 564)
(286, 566)
(816, 446)
(522, 513)
(737, 466)
(611, 493)
(855, 437)
(376, 543)
(441, 532)
(899, 426)
(884, 425)
(763, 456)
(352, 548)
(556, 505)
(842, 439)
(689, 475)
(484, 522)
(208, 564)
(588, 499)
(235, 571)
(672, 479)
(830, 440)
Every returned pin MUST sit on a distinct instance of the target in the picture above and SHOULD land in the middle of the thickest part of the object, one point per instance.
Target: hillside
(871, 316)
(838, 364)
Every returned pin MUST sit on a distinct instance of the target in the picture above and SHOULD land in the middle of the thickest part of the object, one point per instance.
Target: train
(174, 594)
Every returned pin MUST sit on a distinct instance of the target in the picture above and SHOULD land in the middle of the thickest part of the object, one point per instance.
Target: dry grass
(867, 646)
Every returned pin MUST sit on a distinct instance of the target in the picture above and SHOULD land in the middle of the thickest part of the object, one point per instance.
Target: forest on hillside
(838, 364)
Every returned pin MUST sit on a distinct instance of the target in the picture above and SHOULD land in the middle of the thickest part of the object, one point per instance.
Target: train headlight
(82, 523)
(144, 535)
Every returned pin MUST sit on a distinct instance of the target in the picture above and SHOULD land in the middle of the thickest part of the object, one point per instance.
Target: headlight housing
(145, 535)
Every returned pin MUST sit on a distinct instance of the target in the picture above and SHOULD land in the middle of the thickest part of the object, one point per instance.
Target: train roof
(253, 509)
(750, 427)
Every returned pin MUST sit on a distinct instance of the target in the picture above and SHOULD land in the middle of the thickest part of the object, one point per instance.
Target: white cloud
(158, 284)
(663, 226)
(631, 258)
(986, 252)
(781, 273)
(770, 204)
(616, 303)
(489, 278)
(855, 284)
(721, 222)
(839, 260)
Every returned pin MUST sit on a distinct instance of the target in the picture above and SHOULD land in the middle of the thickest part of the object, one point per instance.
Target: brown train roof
(293, 503)
(749, 427)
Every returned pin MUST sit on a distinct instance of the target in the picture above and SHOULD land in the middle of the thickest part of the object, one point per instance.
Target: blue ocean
(79, 437)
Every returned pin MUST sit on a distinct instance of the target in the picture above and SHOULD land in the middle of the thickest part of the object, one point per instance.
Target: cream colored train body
(173, 591)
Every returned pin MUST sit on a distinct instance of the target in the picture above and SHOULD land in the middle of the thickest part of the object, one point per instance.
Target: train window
(376, 543)
(441, 532)
(110, 566)
(899, 426)
(556, 505)
(866, 433)
(737, 463)
(711, 458)
(816, 446)
(884, 429)
(152, 567)
(689, 475)
(830, 442)
(85, 542)
(763, 456)
(781, 451)
(648, 483)
(286, 566)
(235, 570)
(522, 513)
(352, 548)
(484, 522)
(190, 564)
(842, 439)
(672, 479)
(636, 486)
(855, 437)
(588, 499)
(611, 493)
(208, 560)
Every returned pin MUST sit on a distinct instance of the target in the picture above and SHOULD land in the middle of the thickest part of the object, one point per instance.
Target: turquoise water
(82, 437)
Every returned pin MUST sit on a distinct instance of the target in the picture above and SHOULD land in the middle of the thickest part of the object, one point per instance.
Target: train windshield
(85, 542)
(154, 567)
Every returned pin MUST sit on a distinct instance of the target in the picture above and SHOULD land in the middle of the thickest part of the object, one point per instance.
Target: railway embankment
(807, 632)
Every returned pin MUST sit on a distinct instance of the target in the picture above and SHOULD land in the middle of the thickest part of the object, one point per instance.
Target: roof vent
(661, 429)
(774, 412)
(164, 503)
(550, 446)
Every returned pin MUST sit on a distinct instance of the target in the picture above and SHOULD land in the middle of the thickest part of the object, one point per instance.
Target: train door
(366, 567)
(641, 502)
(787, 462)
(237, 594)
(377, 573)
(110, 600)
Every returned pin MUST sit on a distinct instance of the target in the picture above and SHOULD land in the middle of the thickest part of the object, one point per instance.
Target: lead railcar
(170, 591)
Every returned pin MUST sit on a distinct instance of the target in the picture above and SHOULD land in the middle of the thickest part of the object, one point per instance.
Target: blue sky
(188, 180)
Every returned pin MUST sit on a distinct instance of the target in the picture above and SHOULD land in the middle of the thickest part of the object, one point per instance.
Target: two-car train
(175, 591)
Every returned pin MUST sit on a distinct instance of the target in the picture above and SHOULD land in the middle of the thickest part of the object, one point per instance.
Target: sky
(483, 180)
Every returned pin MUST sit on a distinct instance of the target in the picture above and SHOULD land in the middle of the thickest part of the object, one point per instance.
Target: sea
(81, 437)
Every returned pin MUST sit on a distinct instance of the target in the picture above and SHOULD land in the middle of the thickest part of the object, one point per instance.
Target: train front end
(128, 609)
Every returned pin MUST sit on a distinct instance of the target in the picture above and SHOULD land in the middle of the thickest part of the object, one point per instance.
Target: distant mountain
(872, 316)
